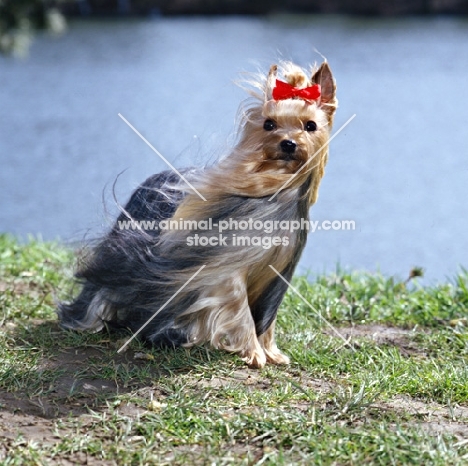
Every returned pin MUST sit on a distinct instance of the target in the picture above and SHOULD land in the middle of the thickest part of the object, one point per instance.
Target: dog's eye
(269, 125)
(310, 126)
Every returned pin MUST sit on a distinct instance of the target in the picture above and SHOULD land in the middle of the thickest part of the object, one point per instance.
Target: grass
(390, 388)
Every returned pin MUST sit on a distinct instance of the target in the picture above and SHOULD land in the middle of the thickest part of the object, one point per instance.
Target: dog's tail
(91, 311)
(88, 312)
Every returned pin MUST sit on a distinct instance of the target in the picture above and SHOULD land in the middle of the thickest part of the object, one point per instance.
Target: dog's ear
(324, 77)
(271, 82)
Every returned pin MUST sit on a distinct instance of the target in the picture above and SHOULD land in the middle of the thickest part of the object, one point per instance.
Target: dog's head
(294, 120)
(283, 135)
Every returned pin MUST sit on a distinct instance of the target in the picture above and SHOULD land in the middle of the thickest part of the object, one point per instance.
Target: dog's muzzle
(288, 148)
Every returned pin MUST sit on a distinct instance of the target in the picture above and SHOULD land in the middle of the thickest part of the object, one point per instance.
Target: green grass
(391, 387)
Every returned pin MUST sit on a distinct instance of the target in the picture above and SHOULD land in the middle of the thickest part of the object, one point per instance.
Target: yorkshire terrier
(195, 281)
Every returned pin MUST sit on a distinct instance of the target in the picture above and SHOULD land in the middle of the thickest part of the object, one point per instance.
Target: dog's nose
(288, 146)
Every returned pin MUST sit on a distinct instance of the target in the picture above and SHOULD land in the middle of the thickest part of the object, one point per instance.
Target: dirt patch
(246, 377)
(67, 403)
(73, 386)
(431, 417)
(29, 426)
(76, 389)
(382, 335)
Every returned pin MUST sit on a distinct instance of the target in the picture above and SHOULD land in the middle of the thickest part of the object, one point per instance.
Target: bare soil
(401, 338)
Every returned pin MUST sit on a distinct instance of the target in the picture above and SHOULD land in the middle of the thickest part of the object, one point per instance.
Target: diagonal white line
(312, 158)
(312, 307)
(161, 308)
(161, 156)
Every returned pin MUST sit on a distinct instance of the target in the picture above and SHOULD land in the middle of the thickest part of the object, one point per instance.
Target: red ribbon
(286, 91)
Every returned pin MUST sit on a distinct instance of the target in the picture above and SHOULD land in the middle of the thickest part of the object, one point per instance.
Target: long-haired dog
(200, 283)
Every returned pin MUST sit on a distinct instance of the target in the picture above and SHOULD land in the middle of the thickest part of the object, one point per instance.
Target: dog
(191, 285)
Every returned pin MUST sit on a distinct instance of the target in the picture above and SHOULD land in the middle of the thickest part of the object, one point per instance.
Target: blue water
(399, 170)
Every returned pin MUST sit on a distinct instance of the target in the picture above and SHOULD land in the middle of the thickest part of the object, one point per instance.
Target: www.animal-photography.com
(233, 233)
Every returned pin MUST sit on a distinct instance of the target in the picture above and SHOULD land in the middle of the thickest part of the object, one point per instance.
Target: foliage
(20, 18)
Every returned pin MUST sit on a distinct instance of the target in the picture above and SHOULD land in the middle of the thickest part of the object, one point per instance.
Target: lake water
(399, 170)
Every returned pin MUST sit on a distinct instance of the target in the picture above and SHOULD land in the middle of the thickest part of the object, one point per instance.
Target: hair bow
(286, 91)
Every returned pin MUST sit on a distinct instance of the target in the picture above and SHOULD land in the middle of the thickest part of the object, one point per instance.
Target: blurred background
(399, 169)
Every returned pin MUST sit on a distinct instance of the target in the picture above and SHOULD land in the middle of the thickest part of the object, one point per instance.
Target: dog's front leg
(230, 324)
(254, 355)
(241, 335)
(267, 342)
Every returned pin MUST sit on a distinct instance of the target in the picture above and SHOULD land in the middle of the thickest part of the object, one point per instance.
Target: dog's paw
(255, 359)
(276, 357)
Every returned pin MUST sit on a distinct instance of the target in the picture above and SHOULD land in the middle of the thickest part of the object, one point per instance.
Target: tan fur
(272, 353)
(255, 168)
(222, 316)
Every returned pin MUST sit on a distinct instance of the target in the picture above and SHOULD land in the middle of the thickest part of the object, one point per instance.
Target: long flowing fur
(232, 303)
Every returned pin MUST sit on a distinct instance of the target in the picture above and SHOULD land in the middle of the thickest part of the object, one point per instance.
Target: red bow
(286, 91)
